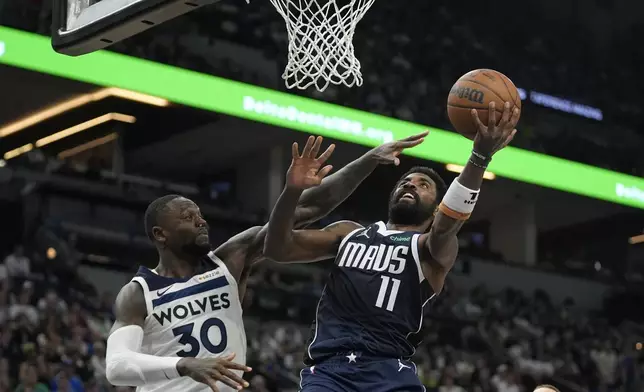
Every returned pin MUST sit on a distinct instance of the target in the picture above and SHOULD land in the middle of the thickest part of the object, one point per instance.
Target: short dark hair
(151, 217)
(546, 386)
(441, 187)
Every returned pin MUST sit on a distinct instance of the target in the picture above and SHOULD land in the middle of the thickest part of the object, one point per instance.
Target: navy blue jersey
(374, 297)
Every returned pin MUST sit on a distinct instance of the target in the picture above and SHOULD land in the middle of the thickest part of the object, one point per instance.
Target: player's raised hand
(387, 154)
(306, 170)
(493, 137)
(209, 371)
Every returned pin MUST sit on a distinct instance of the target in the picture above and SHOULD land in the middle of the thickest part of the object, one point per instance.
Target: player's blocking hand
(494, 137)
(387, 154)
(306, 169)
(209, 371)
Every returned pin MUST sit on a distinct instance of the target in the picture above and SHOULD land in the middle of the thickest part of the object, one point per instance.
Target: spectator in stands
(29, 379)
(24, 306)
(17, 263)
(98, 365)
(51, 304)
(5, 379)
(67, 380)
(448, 384)
(506, 380)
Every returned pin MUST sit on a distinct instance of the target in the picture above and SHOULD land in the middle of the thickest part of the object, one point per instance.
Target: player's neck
(418, 228)
(176, 266)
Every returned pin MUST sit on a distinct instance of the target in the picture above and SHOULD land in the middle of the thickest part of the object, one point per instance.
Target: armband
(127, 366)
(459, 201)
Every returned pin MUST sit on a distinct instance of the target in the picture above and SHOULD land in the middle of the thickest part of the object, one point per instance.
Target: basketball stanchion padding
(320, 49)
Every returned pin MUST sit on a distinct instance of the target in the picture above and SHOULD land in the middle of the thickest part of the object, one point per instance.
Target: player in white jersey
(179, 326)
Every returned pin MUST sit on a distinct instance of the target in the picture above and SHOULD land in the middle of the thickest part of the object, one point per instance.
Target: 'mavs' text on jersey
(193, 307)
(379, 258)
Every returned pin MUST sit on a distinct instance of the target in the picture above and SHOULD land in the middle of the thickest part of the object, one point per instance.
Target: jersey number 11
(393, 292)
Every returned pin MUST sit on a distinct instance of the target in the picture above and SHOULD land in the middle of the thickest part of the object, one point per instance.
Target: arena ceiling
(61, 116)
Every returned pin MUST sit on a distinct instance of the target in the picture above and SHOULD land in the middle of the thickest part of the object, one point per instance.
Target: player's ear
(159, 234)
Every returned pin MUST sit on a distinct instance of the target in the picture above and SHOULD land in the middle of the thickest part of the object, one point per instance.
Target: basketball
(475, 90)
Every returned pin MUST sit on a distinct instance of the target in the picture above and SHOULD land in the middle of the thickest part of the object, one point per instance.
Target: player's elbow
(279, 251)
(274, 252)
(121, 372)
(113, 376)
(116, 371)
(306, 214)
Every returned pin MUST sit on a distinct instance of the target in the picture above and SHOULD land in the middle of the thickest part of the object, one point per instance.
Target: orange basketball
(475, 90)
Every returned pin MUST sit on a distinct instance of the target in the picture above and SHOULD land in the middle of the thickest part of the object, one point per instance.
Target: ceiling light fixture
(76, 102)
(459, 169)
(85, 126)
(70, 131)
(87, 146)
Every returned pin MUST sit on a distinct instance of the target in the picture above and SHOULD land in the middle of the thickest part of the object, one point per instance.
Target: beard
(199, 247)
(408, 213)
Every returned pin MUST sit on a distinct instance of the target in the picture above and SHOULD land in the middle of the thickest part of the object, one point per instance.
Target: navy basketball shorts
(353, 373)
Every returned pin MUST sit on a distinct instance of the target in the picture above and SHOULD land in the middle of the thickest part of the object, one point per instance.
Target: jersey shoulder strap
(352, 234)
(219, 263)
(148, 280)
(154, 285)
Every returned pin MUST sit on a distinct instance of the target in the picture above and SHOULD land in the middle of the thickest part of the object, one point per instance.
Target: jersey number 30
(186, 338)
(393, 292)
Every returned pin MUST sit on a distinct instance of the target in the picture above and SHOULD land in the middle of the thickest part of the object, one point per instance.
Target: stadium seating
(54, 326)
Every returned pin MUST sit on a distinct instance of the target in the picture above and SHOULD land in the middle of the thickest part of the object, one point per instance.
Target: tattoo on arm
(319, 201)
(246, 248)
(306, 246)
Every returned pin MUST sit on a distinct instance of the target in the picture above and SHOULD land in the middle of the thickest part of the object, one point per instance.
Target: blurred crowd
(411, 54)
(53, 323)
(475, 340)
(54, 326)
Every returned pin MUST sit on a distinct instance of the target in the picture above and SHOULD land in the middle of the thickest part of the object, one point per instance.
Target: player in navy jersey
(370, 313)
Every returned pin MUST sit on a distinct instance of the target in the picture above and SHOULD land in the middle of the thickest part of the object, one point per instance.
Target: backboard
(84, 26)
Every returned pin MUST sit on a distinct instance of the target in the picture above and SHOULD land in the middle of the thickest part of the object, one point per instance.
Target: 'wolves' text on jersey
(200, 317)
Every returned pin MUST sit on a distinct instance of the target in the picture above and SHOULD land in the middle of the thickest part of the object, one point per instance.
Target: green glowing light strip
(33, 52)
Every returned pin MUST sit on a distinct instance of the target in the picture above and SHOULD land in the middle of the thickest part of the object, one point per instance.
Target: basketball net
(320, 49)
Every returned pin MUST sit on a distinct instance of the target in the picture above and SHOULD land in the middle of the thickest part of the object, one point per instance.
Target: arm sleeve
(126, 366)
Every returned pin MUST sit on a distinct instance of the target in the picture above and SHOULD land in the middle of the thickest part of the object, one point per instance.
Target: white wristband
(460, 198)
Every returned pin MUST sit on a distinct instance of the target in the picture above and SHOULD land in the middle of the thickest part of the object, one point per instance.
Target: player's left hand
(305, 169)
(387, 154)
(493, 137)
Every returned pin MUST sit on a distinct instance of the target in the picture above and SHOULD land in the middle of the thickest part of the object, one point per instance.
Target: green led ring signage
(33, 52)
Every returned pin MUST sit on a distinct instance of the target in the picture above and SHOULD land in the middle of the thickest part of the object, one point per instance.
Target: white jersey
(200, 317)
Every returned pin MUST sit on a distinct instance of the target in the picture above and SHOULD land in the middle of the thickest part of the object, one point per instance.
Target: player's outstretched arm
(244, 249)
(461, 197)
(283, 243)
(127, 366)
(319, 201)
